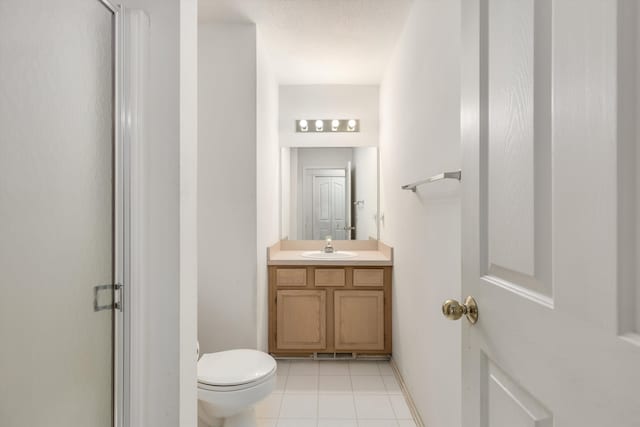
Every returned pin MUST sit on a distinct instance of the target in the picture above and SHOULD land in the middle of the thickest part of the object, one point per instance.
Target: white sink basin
(320, 255)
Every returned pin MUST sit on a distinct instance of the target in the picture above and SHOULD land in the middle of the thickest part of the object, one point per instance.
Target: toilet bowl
(230, 383)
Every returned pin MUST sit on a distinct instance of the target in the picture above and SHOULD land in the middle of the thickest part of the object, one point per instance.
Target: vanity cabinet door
(301, 320)
(330, 277)
(368, 277)
(359, 320)
(291, 277)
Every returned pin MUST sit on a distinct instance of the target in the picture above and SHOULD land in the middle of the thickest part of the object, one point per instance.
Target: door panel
(291, 277)
(507, 403)
(540, 216)
(301, 320)
(511, 135)
(322, 220)
(368, 277)
(359, 320)
(339, 209)
(56, 212)
(329, 277)
(516, 157)
(328, 207)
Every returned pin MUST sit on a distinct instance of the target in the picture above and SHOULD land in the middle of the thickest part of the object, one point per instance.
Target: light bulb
(319, 125)
(335, 124)
(304, 126)
(351, 125)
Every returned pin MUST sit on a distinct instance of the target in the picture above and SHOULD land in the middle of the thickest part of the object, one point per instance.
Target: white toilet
(230, 383)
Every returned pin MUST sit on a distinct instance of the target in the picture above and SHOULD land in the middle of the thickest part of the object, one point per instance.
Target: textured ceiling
(319, 41)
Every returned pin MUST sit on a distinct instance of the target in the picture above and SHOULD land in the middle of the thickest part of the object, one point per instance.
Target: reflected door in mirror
(329, 208)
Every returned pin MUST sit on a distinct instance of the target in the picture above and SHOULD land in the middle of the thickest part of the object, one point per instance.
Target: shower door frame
(121, 230)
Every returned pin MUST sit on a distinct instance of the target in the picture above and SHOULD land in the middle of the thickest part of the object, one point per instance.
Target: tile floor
(335, 394)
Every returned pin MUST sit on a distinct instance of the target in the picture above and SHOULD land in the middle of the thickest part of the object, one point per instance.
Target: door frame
(129, 333)
(132, 63)
(130, 47)
(121, 220)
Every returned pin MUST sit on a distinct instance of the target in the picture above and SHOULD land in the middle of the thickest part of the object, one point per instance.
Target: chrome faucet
(328, 247)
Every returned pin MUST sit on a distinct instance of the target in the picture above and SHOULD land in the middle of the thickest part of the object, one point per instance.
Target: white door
(329, 214)
(549, 223)
(57, 213)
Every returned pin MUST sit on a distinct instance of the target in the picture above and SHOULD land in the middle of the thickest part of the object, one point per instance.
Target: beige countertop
(369, 253)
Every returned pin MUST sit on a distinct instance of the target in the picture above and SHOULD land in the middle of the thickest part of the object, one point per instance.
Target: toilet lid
(234, 367)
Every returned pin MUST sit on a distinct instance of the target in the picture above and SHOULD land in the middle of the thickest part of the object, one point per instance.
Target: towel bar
(444, 175)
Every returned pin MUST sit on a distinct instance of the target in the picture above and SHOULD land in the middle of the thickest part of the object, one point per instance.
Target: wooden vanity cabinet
(329, 309)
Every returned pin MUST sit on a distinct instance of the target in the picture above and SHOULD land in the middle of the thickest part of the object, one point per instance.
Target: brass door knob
(453, 310)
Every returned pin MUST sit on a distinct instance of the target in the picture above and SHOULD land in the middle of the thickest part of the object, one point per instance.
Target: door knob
(453, 310)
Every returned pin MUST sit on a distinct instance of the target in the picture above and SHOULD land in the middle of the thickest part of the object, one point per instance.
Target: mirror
(330, 191)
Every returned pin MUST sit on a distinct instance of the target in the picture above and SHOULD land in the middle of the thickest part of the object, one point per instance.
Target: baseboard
(407, 396)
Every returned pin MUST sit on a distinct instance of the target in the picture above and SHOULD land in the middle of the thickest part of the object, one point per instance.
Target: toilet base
(245, 418)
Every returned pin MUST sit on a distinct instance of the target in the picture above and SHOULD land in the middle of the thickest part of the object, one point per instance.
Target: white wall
(188, 211)
(268, 181)
(420, 136)
(227, 186)
(365, 160)
(329, 102)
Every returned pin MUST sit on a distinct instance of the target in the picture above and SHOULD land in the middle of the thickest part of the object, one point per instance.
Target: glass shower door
(57, 144)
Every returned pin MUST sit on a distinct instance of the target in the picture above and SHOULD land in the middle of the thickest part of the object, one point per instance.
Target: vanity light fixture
(327, 125)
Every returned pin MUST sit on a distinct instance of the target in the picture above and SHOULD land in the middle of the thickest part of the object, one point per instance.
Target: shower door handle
(116, 297)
